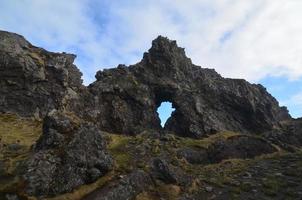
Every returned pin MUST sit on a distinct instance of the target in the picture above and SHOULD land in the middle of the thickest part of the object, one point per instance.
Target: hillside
(226, 139)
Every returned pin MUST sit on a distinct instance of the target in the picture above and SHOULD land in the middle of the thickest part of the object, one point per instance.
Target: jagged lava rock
(34, 81)
(67, 155)
(205, 102)
(125, 99)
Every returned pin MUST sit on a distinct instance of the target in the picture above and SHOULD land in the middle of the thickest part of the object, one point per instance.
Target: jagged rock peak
(12, 42)
(166, 50)
(34, 81)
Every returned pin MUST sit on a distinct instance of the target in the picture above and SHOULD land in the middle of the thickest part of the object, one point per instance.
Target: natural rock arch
(124, 99)
(205, 102)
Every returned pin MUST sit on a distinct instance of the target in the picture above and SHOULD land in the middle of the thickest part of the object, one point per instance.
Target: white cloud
(242, 39)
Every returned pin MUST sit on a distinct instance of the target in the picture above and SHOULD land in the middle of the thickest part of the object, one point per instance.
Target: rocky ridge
(108, 137)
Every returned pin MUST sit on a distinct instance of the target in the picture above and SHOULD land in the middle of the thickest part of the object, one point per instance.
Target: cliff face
(108, 135)
(205, 102)
(34, 81)
(125, 99)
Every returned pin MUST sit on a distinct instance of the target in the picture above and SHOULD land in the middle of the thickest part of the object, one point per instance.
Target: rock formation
(125, 99)
(34, 81)
(205, 102)
(67, 155)
(109, 135)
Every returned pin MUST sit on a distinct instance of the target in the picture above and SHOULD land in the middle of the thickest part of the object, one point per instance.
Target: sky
(258, 40)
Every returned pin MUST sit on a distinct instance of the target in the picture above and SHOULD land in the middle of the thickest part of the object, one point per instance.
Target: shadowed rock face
(34, 81)
(68, 154)
(125, 99)
(72, 151)
(204, 101)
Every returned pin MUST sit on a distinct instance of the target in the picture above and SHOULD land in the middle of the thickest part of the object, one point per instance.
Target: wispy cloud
(244, 39)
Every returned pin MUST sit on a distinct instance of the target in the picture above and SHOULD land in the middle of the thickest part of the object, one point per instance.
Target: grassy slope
(17, 135)
(132, 153)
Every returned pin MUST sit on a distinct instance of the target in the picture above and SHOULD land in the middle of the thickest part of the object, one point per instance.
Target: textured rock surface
(127, 188)
(34, 81)
(204, 101)
(125, 99)
(67, 155)
(157, 163)
(239, 147)
(289, 136)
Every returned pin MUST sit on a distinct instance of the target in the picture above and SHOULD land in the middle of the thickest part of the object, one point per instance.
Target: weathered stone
(239, 147)
(66, 157)
(161, 170)
(199, 156)
(204, 101)
(34, 81)
(127, 188)
(72, 151)
(289, 136)
(125, 99)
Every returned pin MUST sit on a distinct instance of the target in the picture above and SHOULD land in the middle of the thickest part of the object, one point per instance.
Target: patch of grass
(146, 196)
(14, 129)
(17, 135)
(117, 147)
(37, 57)
(169, 191)
(206, 142)
(272, 185)
(222, 173)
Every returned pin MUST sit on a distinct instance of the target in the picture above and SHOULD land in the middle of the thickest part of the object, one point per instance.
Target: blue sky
(257, 40)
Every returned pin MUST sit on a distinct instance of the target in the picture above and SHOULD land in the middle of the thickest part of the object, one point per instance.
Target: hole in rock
(164, 112)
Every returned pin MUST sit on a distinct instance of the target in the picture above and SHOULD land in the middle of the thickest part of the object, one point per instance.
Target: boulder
(66, 156)
(126, 188)
(239, 147)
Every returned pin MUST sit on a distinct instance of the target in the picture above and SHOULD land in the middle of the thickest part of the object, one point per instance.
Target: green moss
(117, 147)
(37, 57)
(272, 185)
(206, 142)
(222, 173)
(14, 129)
(20, 132)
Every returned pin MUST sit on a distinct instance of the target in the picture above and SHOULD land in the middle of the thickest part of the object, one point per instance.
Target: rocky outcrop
(205, 102)
(289, 136)
(67, 155)
(125, 99)
(239, 146)
(155, 163)
(127, 188)
(34, 81)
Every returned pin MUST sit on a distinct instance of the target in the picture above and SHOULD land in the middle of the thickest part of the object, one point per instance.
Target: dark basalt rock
(239, 147)
(72, 149)
(289, 136)
(162, 170)
(34, 81)
(67, 155)
(125, 99)
(234, 147)
(194, 156)
(204, 101)
(126, 188)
